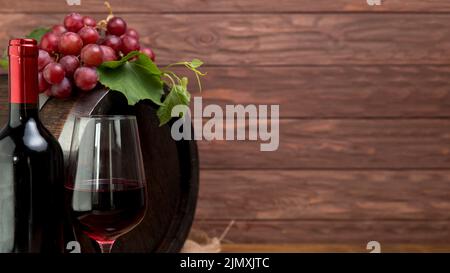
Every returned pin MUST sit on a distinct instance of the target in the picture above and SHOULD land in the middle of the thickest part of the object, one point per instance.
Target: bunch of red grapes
(70, 53)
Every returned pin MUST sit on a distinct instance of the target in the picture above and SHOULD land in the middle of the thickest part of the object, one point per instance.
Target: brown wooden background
(365, 114)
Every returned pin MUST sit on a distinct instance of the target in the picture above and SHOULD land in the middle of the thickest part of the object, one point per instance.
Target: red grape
(43, 84)
(58, 29)
(92, 55)
(129, 44)
(62, 90)
(70, 63)
(73, 22)
(43, 59)
(149, 52)
(132, 32)
(86, 78)
(70, 44)
(116, 26)
(89, 35)
(89, 21)
(49, 43)
(108, 54)
(54, 73)
(113, 42)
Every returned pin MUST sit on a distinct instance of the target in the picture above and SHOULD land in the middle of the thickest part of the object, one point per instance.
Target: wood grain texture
(154, 6)
(340, 144)
(279, 39)
(333, 91)
(334, 143)
(324, 195)
(328, 92)
(330, 232)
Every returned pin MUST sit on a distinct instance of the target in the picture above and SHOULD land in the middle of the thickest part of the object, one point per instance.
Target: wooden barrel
(171, 167)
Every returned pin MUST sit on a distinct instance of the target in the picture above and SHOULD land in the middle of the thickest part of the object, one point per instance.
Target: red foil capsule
(23, 71)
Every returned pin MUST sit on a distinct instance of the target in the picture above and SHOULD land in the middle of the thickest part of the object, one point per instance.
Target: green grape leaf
(4, 64)
(143, 60)
(38, 33)
(196, 63)
(178, 95)
(138, 79)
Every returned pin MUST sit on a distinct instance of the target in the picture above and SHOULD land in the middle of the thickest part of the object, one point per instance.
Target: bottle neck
(23, 89)
(20, 113)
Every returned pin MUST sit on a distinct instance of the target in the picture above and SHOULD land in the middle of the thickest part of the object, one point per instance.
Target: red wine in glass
(107, 208)
(106, 186)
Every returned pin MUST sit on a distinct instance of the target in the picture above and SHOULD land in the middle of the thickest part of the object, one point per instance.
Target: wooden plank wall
(365, 111)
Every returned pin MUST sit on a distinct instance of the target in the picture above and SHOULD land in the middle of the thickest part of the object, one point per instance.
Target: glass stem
(106, 246)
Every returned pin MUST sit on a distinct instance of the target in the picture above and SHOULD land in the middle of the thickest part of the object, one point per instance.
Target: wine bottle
(31, 164)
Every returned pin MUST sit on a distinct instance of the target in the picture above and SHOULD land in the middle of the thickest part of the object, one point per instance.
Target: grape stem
(167, 75)
(189, 66)
(103, 23)
(111, 15)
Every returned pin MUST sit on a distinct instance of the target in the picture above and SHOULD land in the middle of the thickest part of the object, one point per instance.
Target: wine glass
(106, 188)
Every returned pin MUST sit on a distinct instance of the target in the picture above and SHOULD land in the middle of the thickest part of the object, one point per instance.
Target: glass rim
(106, 117)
